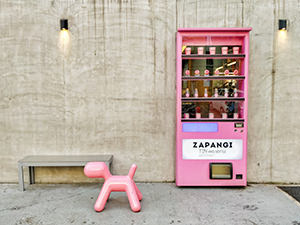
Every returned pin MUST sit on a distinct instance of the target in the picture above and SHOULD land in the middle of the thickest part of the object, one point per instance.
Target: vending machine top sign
(212, 99)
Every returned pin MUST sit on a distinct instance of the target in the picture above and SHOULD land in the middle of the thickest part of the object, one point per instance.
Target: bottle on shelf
(217, 72)
(187, 93)
(197, 73)
(196, 93)
(188, 50)
(187, 73)
(206, 73)
(186, 115)
(200, 50)
(226, 72)
(235, 72)
(216, 93)
(224, 50)
(205, 93)
(226, 92)
(235, 93)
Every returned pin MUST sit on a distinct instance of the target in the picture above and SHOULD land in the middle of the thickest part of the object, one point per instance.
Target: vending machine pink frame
(212, 99)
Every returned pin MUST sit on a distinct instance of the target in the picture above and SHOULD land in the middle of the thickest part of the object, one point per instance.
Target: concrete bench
(56, 160)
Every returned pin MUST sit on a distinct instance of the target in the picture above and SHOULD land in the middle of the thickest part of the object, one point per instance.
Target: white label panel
(212, 148)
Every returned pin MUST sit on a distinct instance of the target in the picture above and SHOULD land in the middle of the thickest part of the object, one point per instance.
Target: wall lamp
(282, 24)
(64, 24)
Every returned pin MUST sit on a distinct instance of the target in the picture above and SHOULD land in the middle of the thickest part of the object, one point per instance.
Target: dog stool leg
(102, 198)
(133, 198)
(139, 194)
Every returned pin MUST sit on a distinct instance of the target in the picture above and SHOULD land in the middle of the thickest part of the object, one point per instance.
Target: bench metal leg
(31, 175)
(21, 177)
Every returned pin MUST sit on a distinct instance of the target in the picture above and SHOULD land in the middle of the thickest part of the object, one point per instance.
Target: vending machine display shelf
(214, 77)
(212, 120)
(208, 99)
(208, 56)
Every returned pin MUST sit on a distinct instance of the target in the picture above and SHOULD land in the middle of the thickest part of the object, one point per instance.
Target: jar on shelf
(224, 50)
(235, 115)
(200, 50)
(188, 50)
(236, 50)
(224, 115)
(212, 50)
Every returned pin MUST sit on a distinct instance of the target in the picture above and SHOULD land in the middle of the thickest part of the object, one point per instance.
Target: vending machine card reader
(212, 97)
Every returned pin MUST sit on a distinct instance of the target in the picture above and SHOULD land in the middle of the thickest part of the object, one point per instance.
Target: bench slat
(64, 159)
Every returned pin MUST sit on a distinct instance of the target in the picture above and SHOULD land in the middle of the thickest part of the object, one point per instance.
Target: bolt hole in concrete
(292, 191)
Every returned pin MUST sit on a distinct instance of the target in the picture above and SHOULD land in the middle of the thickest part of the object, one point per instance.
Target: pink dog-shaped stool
(114, 183)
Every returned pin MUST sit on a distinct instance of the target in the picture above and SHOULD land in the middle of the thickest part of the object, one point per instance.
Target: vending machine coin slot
(238, 125)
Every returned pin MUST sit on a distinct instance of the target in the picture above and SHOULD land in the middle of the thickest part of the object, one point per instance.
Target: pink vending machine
(212, 97)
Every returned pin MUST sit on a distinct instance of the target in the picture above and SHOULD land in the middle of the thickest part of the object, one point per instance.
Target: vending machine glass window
(212, 98)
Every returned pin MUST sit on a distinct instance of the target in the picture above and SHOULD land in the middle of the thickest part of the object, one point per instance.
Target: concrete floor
(163, 203)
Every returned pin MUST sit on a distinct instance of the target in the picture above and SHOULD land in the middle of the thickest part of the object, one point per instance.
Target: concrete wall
(112, 89)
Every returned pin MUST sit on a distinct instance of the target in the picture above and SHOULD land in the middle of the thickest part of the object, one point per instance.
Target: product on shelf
(235, 115)
(187, 93)
(212, 50)
(187, 73)
(200, 50)
(198, 112)
(226, 72)
(226, 92)
(196, 93)
(188, 51)
(197, 73)
(205, 93)
(235, 72)
(216, 93)
(217, 72)
(186, 115)
(224, 115)
(236, 50)
(224, 50)
(211, 115)
(235, 94)
(206, 72)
